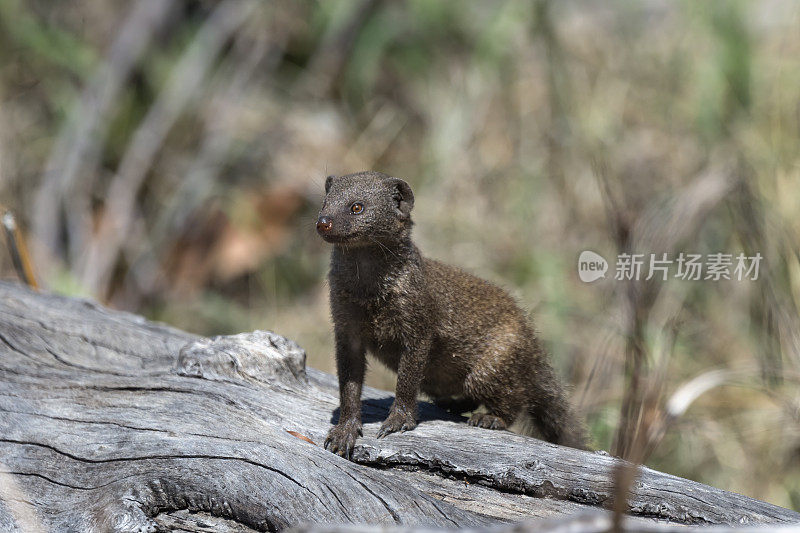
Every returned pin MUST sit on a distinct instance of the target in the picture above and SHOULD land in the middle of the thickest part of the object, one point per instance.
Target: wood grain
(109, 422)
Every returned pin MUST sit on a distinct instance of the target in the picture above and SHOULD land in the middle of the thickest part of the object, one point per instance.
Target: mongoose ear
(328, 182)
(402, 194)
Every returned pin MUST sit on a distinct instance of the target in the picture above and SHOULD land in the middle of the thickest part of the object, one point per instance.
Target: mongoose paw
(342, 437)
(486, 420)
(397, 421)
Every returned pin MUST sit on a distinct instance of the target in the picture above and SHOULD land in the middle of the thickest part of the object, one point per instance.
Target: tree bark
(109, 422)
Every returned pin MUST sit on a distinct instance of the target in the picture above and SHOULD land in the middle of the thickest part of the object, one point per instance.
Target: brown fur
(459, 339)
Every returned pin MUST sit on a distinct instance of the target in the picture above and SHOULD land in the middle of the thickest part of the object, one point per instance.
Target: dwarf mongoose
(446, 333)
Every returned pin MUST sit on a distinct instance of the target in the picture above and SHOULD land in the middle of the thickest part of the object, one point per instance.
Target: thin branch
(183, 85)
(70, 170)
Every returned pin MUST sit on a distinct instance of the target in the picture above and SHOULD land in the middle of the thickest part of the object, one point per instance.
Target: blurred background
(168, 158)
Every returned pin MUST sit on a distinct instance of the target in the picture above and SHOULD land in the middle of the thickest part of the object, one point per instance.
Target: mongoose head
(365, 208)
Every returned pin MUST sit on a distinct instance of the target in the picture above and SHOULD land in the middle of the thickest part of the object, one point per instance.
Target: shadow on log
(109, 422)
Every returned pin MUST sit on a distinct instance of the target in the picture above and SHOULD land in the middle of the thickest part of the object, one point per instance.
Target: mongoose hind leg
(464, 405)
(456, 405)
(487, 420)
(499, 394)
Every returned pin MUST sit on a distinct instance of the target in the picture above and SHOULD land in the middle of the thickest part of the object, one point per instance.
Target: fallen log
(109, 422)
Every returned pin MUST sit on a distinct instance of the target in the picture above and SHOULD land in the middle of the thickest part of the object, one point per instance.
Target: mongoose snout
(324, 225)
(459, 339)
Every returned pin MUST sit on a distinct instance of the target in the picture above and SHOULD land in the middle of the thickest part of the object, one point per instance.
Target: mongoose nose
(324, 224)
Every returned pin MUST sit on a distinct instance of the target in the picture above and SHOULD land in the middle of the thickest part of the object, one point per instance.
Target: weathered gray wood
(582, 523)
(110, 422)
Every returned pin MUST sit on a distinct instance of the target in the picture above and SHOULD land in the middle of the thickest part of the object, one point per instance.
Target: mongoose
(447, 333)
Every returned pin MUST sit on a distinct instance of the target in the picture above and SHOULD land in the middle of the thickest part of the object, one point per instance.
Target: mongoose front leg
(403, 414)
(350, 366)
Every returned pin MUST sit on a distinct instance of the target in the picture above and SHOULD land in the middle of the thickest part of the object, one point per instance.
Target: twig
(18, 250)
(183, 85)
(197, 186)
(77, 148)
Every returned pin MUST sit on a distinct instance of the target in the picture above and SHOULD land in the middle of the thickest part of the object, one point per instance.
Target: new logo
(591, 266)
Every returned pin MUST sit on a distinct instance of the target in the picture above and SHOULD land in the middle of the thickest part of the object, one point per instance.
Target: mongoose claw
(396, 421)
(342, 437)
(488, 421)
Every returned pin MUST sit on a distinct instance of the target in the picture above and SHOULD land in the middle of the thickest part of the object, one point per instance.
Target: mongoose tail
(550, 412)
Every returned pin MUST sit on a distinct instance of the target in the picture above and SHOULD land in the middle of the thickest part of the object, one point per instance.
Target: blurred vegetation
(168, 157)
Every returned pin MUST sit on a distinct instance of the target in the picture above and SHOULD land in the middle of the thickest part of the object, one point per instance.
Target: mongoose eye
(357, 208)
